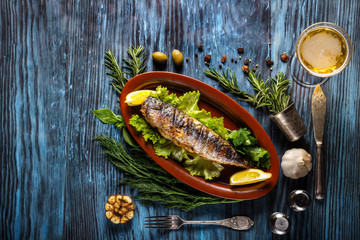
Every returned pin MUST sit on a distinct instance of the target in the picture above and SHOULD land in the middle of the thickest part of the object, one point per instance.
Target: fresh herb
(153, 184)
(133, 66)
(107, 116)
(114, 71)
(247, 146)
(272, 93)
(226, 79)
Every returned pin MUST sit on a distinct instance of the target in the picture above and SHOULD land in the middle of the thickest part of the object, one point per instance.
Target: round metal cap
(299, 200)
(279, 223)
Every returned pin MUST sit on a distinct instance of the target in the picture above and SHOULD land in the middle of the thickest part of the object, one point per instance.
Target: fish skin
(189, 133)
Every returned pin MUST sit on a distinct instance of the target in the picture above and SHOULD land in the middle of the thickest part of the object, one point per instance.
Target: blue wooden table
(55, 182)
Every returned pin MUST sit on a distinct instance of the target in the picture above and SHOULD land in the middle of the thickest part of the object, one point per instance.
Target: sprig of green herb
(114, 71)
(226, 79)
(153, 184)
(272, 93)
(133, 66)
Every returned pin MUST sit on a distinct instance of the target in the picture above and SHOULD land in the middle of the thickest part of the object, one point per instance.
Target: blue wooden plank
(54, 182)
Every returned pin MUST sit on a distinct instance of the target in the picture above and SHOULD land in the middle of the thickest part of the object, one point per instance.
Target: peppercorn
(220, 66)
(196, 54)
(235, 61)
(223, 59)
(187, 59)
(200, 47)
(284, 57)
(245, 69)
(207, 64)
(257, 65)
(232, 60)
(246, 61)
(207, 58)
(269, 62)
(270, 69)
(240, 50)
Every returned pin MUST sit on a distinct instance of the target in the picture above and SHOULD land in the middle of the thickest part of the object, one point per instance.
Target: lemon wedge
(249, 176)
(137, 97)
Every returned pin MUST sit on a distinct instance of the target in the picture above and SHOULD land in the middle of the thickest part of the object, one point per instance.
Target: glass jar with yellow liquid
(323, 50)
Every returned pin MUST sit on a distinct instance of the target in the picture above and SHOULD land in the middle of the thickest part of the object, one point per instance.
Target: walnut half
(119, 209)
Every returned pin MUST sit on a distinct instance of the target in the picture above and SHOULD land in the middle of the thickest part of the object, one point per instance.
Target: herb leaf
(114, 71)
(133, 66)
(226, 79)
(107, 116)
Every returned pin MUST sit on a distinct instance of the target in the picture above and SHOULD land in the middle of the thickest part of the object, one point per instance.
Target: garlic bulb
(296, 163)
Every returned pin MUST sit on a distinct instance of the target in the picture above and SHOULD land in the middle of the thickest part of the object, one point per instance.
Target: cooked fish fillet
(189, 133)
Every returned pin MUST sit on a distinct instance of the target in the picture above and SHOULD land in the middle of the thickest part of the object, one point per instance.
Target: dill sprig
(132, 67)
(153, 184)
(272, 93)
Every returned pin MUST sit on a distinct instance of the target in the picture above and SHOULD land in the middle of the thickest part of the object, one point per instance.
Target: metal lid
(299, 200)
(279, 223)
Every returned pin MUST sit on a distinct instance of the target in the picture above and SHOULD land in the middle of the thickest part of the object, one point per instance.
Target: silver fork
(175, 222)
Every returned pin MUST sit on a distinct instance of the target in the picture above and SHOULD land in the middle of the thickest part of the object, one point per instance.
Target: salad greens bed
(241, 139)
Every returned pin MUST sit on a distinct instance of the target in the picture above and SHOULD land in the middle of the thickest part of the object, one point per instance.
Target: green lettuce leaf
(188, 102)
(198, 166)
(148, 132)
(164, 149)
(162, 93)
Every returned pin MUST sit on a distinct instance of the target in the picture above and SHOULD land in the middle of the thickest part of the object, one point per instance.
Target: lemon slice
(137, 97)
(249, 176)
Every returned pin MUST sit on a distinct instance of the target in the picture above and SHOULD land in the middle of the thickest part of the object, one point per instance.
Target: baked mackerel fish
(189, 133)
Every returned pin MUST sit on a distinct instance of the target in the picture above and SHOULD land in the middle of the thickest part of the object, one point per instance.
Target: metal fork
(175, 222)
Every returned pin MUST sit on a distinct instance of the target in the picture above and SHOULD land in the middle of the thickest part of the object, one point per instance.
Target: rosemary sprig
(272, 93)
(114, 71)
(133, 66)
(226, 79)
(153, 184)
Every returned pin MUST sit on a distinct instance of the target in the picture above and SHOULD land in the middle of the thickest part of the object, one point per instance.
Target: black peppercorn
(240, 50)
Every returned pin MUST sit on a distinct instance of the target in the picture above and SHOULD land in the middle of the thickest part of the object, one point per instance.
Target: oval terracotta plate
(219, 104)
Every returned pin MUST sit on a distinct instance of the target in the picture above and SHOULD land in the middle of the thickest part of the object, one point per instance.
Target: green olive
(177, 57)
(159, 58)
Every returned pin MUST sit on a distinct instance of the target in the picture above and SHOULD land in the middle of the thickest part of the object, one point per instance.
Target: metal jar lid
(299, 200)
(279, 223)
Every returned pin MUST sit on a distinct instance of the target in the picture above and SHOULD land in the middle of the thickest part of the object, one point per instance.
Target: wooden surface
(54, 182)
